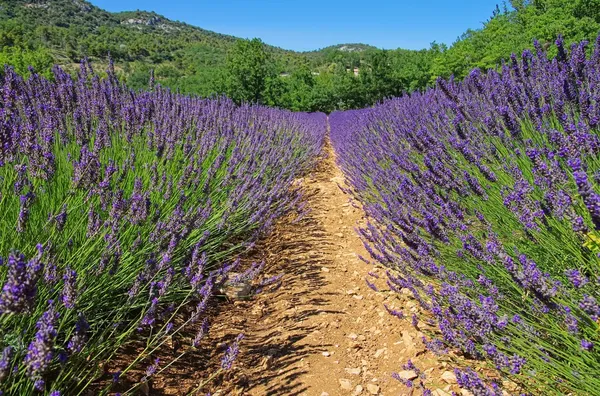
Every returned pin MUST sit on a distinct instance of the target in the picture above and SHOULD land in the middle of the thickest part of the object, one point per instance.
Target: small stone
(267, 362)
(449, 377)
(339, 235)
(361, 338)
(326, 354)
(407, 374)
(408, 341)
(358, 390)
(324, 269)
(352, 336)
(353, 371)
(358, 297)
(380, 352)
(373, 389)
(324, 394)
(345, 384)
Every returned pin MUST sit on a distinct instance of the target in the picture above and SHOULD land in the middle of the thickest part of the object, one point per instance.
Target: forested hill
(68, 30)
(192, 60)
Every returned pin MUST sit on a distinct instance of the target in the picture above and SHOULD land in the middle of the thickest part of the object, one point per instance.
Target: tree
(249, 69)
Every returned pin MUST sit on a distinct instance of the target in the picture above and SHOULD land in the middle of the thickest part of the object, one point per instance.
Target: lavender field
(482, 201)
(120, 210)
(124, 214)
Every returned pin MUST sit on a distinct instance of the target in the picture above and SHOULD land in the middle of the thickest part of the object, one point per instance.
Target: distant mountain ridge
(83, 14)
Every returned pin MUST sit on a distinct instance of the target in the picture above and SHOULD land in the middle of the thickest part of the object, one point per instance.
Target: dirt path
(324, 331)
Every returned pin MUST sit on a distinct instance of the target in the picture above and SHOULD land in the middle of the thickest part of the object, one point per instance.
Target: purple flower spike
(69, 292)
(231, 354)
(394, 312)
(5, 362)
(40, 350)
(587, 345)
(577, 278)
(80, 336)
(20, 289)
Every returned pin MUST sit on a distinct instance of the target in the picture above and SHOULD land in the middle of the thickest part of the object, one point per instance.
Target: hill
(65, 31)
(194, 60)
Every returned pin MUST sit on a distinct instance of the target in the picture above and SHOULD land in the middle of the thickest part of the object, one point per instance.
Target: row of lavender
(483, 198)
(120, 210)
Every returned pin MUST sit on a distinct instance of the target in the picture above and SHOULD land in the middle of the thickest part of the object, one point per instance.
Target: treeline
(196, 61)
(251, 75)
(511, 29)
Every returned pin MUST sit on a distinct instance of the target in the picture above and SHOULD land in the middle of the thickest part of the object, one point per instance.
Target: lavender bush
(482, 197)
(120, 208)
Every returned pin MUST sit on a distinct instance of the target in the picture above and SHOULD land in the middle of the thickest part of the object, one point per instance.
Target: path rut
(324, 331)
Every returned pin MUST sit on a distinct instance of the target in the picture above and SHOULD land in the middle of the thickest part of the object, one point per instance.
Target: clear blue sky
(304, 25)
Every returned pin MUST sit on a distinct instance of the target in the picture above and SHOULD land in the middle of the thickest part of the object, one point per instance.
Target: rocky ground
(324, 331)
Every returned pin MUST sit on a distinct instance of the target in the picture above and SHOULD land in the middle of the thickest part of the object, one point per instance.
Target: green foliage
(22, 59)
(196, 61)
(249, 70)
(512, 30)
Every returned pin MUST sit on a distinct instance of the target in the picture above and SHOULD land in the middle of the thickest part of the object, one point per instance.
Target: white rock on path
(345, 384)
(380, 352)
(373, 389)
(407, 374)
(449, 377)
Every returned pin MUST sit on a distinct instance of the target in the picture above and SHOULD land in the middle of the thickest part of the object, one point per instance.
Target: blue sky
(304, 25)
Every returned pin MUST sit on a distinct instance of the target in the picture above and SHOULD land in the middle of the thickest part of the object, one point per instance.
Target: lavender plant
(120, 208)
(482, 200)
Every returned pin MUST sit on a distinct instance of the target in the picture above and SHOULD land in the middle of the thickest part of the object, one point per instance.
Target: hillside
(193, 60)
(69, 30)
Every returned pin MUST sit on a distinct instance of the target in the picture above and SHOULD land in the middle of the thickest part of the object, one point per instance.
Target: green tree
(249, 70)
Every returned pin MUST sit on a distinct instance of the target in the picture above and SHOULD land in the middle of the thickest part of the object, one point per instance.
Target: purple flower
(571, 321)
(231, 353)
(590, 306)
(468, 379)
(408, 383)
(61, 219)
(577, 278)
(201, 333)
(39, 353)
(80, 336)
(516, 364)
(586, 345)
(151, 370)
(20, 288)
(589, 196)
(5, 363)
(69, 291)
(150, 317)
(371, 285)
(394, 312)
